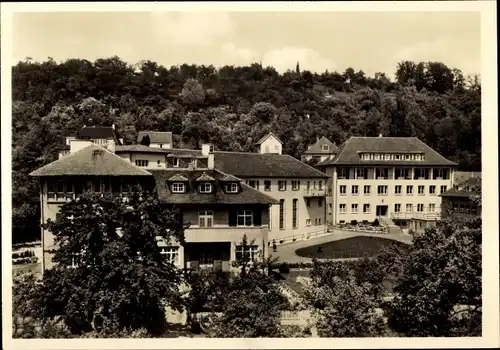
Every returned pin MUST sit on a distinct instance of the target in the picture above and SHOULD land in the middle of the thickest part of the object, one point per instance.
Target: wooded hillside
(233, 107)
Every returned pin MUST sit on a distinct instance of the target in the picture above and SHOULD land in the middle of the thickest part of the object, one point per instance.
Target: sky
(368, 41)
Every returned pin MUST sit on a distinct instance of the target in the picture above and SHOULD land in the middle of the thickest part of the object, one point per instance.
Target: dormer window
(324, 147)
(397, 156)
(418, 157)
(178, 187)
(366, 156)
(232, 188)
(387, 157)
(206, 187)
(377, 156)
(407, 157)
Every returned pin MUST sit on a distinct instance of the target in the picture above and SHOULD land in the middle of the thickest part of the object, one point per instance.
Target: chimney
(206, 148)
(111, 146)
(211, 161)
(379, 135)
(317, 138)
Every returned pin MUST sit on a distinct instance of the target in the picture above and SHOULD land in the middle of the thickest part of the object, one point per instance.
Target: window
(420, 208)
(308, 222)
(421, 189)
(315, 221)
(409, 190)
(473, 210)
(377, 156)
(267, 185)
(320, 202)
(461, 206)
(142, 162)
(342, 173)
(382, 190)
(354, 190)
(171, 254)
(443, 188)
(387, 157)
(253, 183)
(308, 185)
(51, 189)
(294, 213)
(398, 189)
(308, 202)
(417, 157)
(432, 208)
(397, 208)
(398, 156)
(295, 185)
(407, 157)
(244, 218)
(205, 218)
(178, 187)
(282, 185)
(282, 214)
(432, 189)
(343, 190)
(175, 162)
(455, 208)
(324, 147)
(467, 209)
(232, 188)
(206, 187)
(440, 173)
(320, 185)
(319, 221)
(367, 189)
(361, 173)
(409, 208)
(342, 208)
(161, 145)
(105, 186)
(366, 156)
(366, 208)
(354, 207)
(60, 188)
(314, 184)
(251, 252)
(381, 173)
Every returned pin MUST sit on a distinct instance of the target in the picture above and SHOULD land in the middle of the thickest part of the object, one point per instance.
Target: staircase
(387, 222)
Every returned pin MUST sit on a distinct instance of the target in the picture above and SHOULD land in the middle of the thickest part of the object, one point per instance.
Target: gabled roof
(245, 164)
(96, 132)
(247, 195)
(317, 147)
(267, 136)
(205, 177)
(156, 136)
(178, 177)
(91, 160)
(349, 152)
(230, 178)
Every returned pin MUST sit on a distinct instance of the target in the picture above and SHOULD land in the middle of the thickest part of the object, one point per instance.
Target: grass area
(354, 247)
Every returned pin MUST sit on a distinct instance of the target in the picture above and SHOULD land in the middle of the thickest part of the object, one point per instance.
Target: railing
(300, 237)
(314, 192)
(418, 216)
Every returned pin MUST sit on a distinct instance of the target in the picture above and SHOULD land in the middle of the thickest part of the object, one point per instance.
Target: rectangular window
(398, 189)
(60, 188)
(267, 185)
(175, 162)
(381, 173)
(178, 187)
(308, 185)
(251, 253)
(461, 207)
(244, 218)
(171, 254)
(366, 208)
(324, 147)
(409, 208)
(282, 214)
(295, 185)
(308, 222)
(432, 189)
(51, 189)
(387, 157)
(159, 163)
(421, 189)
(206, 187)
(205, 218)
(105, 186)
(294, 212)
(342, 208)
(467, 209)
(420, 208)
(432, 208)
(320, 185)
(142, 162)
(367, 189)
(282, 185)
(382, 190)
(455, 208)
(343, 190)
(320, 202)
(443, 188)
(354, 190)
(397, 208)
(409, 190)
(342, 173)
(232, 188)
(361, 173)
(354, 207)
(308, 202)
(473, 210)
(253, 184)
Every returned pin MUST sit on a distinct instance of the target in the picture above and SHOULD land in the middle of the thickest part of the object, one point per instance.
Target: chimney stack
(379, 135)
(206, 149)
(111, 146)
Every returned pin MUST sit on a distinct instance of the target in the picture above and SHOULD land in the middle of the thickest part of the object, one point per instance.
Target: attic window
(418, 157)
(178, 187)
(407, 156)
(397, 156)
(387, 157)
(366, 156)
(232, 188)
(206, 187)
(324, 147)
(97, 152)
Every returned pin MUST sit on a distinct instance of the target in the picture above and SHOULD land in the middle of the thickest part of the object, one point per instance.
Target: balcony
(314, 192)
(416, 216)
(223, 233)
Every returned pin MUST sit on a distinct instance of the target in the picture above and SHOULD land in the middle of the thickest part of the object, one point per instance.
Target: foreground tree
(439, 290)
(110, 275)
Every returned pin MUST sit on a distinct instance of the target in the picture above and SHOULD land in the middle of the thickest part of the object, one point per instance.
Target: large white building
(394, 179)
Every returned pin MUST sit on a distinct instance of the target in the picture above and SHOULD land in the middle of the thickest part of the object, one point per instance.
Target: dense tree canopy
(233, 107)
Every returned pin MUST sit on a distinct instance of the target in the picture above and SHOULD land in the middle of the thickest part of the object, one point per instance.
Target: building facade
(157, 139)
(100, 135)
(462, 201)
(395, 180)
(321, 151)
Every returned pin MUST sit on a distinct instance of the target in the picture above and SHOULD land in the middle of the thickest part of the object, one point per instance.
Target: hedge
(23, 261)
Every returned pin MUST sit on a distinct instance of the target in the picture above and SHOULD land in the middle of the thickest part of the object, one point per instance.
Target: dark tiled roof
(247, 195)
(317, 147)
(263, 165)
(91, 160)
(139, 149)
(205, 177)
(266, 136)
(96, 132)
(349, 151)
(178, 177)
(156, 136)
(464, 189)
(180, 152)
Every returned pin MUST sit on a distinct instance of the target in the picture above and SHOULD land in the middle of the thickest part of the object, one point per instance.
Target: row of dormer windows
(204, 187)
(283, 184)
(393, 156)
(398, 189)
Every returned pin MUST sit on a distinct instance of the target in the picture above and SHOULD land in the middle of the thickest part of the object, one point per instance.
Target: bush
(375, 223)
(354, 222)
(284, 268)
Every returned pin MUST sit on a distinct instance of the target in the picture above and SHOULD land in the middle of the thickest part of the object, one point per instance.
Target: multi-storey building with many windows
(395, 179)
